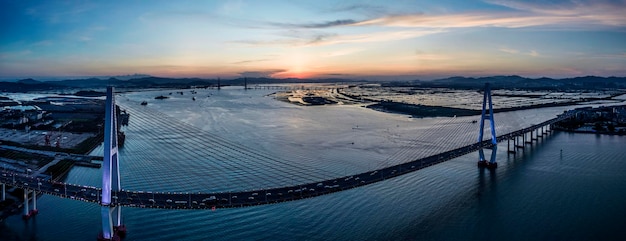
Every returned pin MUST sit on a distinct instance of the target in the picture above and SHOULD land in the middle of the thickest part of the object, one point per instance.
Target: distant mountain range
(518, 82)
(143, 81)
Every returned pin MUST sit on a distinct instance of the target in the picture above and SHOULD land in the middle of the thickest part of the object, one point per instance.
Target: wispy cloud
(596, 11)
(532, 53)
(262, 74)
(509, 50)
(251, 61)
(382, 36)
(327, 24)
(466, 20)
(361, 8)
(331, 39)
(430, 56)
(573, 14)
(342, 52)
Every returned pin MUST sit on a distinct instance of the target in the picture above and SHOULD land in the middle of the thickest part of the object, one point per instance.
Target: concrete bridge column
(517, 142)
(508, 145)
(26, 211)
(530, 139)
(536, 134)
(34, 211)
(548, 127)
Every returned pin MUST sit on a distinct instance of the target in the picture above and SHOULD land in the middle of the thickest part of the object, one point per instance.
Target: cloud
(576, 14)
(251, 61)
(597, 11)
(508, 50)
(342, 52)
(430, 56)
(331, 39)
(382, 36)
(327, 24)
(363, 8)
(85, 38)
(262, 74)
(463, 20)
(532, 53)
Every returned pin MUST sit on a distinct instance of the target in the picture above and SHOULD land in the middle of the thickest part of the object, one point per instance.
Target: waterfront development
(186, 134)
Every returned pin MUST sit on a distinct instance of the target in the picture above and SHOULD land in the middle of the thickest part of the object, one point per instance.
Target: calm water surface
(566, 187)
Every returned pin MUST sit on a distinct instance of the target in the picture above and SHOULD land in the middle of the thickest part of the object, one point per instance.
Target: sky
(389, 40)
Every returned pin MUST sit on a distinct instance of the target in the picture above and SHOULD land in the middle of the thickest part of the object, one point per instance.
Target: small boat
(144, 103)
(160, 97)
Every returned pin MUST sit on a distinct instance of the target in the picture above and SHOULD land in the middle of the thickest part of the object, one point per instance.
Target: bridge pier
(508, 145)
(551, 126)
(34, 211)
(517, 142)
(28, 213)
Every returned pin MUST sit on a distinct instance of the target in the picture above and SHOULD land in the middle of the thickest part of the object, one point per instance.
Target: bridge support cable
(221, 158)
(225, 152)
(415, 142)
(487, 115)
(444, 135)
(110, 171)
(446, 138)
(422, 139)
(187, 151)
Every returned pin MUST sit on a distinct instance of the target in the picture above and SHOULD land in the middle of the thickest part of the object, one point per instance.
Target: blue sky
(313, 39)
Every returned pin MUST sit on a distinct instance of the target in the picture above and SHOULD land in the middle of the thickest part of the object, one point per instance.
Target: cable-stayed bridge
(113, 196)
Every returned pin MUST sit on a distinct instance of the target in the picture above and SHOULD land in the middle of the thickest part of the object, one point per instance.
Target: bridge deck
(166, 200)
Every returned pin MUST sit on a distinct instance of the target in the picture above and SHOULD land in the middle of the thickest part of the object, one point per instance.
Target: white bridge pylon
(110, 172)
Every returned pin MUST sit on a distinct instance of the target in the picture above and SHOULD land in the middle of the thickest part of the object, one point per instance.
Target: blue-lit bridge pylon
(112, 227)
(487, 115)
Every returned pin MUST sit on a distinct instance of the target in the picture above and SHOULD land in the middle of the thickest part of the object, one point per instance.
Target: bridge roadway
(167, 200)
